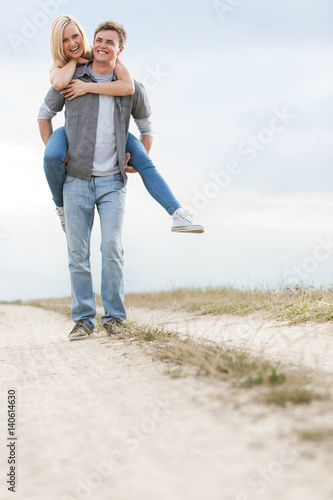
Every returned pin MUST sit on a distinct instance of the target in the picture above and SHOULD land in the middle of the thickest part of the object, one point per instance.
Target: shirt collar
(84, 71)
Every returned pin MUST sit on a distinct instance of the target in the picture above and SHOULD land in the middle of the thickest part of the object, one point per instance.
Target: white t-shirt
(105, 155)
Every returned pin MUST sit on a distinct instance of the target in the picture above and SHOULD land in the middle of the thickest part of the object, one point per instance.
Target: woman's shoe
(60, 212)
(183, 223)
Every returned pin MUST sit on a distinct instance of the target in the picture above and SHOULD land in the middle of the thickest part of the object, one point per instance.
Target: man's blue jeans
(80, 197)
(55, 154)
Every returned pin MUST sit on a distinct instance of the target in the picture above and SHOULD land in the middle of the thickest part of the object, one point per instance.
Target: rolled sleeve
(45, 113)
(141, 107)
(145, 126)
(54, 100)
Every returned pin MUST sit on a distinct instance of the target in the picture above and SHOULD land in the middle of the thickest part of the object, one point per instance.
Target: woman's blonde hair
(56, 38)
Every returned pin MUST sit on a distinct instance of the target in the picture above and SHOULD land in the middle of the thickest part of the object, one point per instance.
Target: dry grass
(187, 357)
(61, 306)
(296, 305)
(317, 434)
(294, 393)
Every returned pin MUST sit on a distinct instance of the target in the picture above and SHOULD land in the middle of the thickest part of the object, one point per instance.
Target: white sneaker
(60, 212)
(182, 222)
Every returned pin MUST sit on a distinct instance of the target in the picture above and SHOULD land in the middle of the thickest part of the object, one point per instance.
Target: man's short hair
(112, 25)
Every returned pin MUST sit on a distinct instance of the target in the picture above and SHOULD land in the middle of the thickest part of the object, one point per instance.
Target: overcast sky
(241, 93)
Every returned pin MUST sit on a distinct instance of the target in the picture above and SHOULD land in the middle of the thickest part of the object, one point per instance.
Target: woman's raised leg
(54, 157)
(158, 188)
(153, 181)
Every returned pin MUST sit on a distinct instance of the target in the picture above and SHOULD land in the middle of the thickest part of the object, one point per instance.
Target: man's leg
(110, 201)
(79, 204)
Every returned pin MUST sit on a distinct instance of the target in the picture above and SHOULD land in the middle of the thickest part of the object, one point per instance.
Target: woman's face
(72, 41)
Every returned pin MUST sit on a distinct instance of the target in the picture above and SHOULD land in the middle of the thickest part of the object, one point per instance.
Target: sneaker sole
(78, 338)
(186, 229)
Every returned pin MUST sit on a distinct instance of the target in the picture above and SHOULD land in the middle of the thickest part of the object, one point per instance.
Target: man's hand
(128, 168)
(75, 88)
(45, 129)
(147, 141)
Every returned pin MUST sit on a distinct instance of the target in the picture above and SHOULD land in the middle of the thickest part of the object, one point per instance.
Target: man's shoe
(80, 331)
(183, 223)
(115, 328)
(60, 212)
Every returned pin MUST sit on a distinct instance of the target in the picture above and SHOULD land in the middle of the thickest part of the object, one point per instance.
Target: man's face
(106, 46)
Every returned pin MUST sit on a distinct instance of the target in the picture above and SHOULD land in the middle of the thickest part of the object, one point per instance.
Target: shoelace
(186, 216)
(80, 325)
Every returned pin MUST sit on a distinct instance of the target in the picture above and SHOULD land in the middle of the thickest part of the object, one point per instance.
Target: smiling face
(72, 41)
(106, 47)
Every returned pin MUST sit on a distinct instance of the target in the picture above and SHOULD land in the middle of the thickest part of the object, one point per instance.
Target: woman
(69, 47)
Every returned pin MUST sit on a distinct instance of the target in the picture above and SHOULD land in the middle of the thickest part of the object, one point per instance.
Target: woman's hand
(66, 159)
(128, 168)
(75, 88)
(82, 60)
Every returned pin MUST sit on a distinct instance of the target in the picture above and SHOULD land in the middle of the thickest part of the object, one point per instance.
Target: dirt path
(98, 419)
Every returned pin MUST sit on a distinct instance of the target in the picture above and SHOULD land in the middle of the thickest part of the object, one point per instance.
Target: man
(96, 128)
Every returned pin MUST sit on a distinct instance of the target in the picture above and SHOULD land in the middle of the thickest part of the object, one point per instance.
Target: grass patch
(293, 394)
(187, 357)
(61, 306)
(316, 434)
(295, 305)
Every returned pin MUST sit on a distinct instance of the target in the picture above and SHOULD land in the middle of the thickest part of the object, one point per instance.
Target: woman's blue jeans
(55, 154)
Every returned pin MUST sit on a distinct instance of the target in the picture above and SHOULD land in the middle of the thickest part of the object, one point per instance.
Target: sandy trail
(98, 419)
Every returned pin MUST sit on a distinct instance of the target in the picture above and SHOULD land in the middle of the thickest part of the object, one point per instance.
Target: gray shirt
(81, 118)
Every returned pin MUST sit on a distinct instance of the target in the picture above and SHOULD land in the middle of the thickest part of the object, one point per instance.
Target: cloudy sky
(241, 92)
